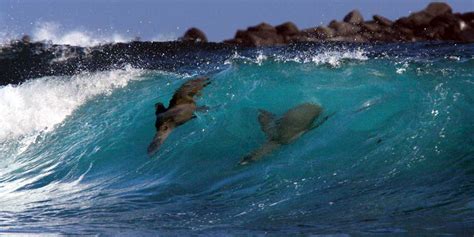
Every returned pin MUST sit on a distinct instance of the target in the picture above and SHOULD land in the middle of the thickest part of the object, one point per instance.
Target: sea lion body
(294, 123)
(180, 110)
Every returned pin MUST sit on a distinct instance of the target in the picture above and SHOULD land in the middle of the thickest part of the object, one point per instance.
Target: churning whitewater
(395, 156)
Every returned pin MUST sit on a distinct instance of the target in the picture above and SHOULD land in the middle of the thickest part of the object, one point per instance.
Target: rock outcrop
(194, 35)
(436, 22)
(262, 34)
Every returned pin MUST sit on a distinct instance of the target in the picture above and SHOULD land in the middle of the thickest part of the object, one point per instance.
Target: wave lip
(41, 104)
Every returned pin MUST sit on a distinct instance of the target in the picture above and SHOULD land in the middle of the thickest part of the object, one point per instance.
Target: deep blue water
(396, 157)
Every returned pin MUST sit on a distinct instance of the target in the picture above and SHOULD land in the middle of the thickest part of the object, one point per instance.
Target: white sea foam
(40, 105)
(333, 57)
(53, 32)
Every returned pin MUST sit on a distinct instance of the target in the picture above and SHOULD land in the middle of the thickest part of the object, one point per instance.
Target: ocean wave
(41, 104)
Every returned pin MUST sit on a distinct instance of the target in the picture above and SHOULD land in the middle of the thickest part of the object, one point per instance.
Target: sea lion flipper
(159, 108)
(267, 122)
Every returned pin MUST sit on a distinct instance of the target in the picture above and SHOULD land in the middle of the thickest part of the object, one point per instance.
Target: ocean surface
(397, 156)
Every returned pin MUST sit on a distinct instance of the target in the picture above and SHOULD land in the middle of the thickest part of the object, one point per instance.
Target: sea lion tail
(267, 122)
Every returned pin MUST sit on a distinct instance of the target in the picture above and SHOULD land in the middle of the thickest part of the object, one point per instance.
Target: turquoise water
(396, 157)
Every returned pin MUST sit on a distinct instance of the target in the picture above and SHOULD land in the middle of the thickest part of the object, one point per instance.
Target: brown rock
(262, 27)
(438, 8)
(320, 32)
(445, 27)
(419, 20)
(287, 29)
(382, 20)
(468, 18)
(416, 20)
(371, 26)
(403, 34)
(194, 35)
(467, 35)
(343, 28)
(354, 17)
(265, 39)
(260, 35)
(349, 38)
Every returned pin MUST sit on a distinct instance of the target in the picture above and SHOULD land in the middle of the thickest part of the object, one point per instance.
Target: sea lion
(180, 110)
(294, 123)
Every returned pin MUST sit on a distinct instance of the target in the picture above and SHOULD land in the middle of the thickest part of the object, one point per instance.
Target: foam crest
(333, 57)
(39, 105)
(52, 32)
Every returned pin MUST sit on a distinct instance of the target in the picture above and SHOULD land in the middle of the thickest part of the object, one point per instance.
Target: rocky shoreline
(436, 22)
(21, 60)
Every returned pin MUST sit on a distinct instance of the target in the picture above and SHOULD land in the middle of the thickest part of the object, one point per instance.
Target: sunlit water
(397, 156)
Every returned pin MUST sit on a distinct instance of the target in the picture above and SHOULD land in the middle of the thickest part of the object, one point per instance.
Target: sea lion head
(164, 126)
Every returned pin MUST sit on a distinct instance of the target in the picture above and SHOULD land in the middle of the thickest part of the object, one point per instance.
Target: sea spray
(41, 104)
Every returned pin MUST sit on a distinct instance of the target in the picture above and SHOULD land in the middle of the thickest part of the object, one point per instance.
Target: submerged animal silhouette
(294, 123)
(180, 110)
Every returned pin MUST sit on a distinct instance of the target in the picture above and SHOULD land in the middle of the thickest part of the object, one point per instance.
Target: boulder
(354, 17)
(438, 8)
(416, 20)
(320, 32)
(436, 22)
(194, 35)
(468, 18)
(262, 34)
(287, 29)
(419, 20)
(262, 27)
(445, 27)
(382, 20)
(467, 35)
(403, 34)
(349, 38)
(26, 39)
(371, 26)
(343, 28)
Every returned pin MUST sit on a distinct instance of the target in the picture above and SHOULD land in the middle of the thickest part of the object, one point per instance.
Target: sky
(168, 19)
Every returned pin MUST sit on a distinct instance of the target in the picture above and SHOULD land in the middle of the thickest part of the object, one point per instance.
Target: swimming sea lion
(180, 110)
(294, 123)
